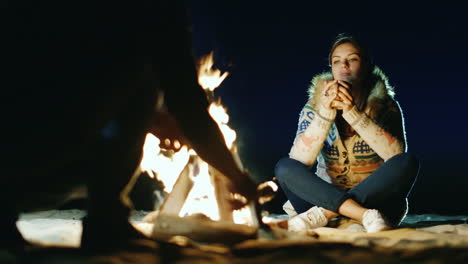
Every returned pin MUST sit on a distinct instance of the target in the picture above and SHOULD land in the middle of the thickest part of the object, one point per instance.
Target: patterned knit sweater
(346, 162)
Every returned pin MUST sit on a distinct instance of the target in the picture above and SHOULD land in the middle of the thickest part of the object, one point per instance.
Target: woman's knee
(405, 159)
(283, 168)
(409, 163)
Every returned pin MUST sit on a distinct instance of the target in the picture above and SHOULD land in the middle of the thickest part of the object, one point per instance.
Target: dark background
(273, 49)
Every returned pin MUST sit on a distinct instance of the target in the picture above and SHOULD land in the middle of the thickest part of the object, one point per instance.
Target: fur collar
(382, 91)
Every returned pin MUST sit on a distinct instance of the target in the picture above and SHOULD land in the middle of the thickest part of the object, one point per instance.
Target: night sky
(273, 49)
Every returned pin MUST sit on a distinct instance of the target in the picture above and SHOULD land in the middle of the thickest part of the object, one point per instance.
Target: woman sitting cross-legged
(353, 129)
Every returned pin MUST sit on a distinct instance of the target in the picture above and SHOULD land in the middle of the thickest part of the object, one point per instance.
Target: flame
(202, 197)
(209, 78)
(221, 117)
(166, 169)
(242, 216)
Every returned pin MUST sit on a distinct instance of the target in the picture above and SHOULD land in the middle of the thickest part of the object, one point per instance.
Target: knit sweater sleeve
(384, 134)
(313, 128)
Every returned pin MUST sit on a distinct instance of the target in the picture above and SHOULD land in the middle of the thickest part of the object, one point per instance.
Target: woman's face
(346, 63)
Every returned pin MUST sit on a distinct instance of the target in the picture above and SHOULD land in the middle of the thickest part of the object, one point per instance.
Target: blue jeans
(386, 189)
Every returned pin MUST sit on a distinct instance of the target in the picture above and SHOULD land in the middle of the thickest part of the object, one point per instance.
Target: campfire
(198, 204)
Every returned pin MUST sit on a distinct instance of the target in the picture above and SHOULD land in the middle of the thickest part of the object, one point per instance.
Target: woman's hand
(344, 100)
(330, 94)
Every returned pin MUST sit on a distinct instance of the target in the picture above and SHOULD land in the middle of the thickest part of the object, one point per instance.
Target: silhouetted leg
(10, 236)
(116, 159)
(388, 187)
(106, 224)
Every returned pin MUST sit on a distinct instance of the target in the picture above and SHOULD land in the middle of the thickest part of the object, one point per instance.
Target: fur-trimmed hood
(381, 105)
(380, 92)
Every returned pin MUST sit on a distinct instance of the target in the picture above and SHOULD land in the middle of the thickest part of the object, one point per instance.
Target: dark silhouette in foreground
(82, 81)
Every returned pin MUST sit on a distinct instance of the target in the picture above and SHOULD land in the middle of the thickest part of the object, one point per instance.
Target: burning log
(213, 218)
(213, 224)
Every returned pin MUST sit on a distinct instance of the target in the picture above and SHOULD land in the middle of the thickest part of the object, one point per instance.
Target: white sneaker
(355, 228)
(373, 221)
(289, 209)
(312, 218)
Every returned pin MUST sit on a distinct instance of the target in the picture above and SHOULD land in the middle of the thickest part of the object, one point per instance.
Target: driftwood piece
(201, 228)
(175, 200)
(222, 193)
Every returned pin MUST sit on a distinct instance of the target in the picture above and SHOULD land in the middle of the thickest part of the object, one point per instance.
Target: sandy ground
(421, 239)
